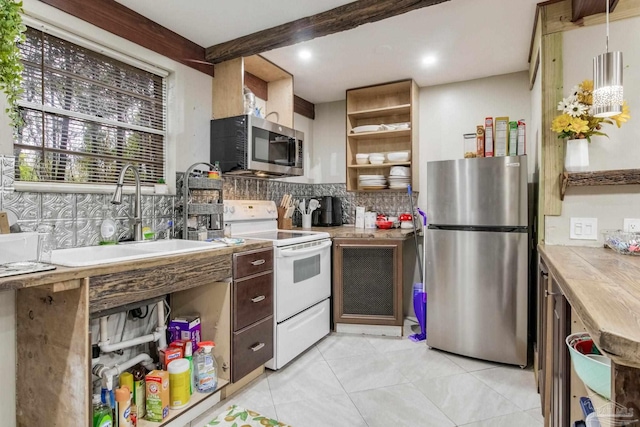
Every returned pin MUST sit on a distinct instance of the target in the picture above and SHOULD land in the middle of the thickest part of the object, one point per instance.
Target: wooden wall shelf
(610, 177)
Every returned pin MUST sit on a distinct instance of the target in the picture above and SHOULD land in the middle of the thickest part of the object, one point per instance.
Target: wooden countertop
(62, 274)
(350, 232)
(604, 289)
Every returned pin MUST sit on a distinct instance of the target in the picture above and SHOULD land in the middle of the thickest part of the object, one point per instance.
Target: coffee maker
(329, 213)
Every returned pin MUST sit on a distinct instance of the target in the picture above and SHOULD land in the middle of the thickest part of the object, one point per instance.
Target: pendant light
(607, 81)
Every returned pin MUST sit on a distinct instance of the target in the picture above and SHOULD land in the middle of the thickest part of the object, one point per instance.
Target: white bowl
(399, 156)
(376, 160)
(362, 155)
(400, 171)
(376, 154)
(362, 160)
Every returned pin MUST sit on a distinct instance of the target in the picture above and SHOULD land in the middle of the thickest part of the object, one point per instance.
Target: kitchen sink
(96, 255)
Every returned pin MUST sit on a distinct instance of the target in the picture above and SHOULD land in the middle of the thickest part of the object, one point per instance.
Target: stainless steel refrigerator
(477, 250)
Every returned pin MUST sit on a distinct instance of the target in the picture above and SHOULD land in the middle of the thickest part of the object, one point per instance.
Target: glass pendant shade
(607, 85)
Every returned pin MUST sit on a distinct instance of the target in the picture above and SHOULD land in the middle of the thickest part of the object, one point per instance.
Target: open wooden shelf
(384, 165)
(395, 133)
(610, 177)
(196, 399)
(378, 112)
(386, 190)
(386, 103)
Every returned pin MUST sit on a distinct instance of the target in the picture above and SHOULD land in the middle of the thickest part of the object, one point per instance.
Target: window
(87, 115)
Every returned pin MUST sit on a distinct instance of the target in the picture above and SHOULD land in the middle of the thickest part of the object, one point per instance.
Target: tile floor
(356, 380)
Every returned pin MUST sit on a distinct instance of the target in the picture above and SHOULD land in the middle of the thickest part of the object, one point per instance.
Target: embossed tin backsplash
(77, 216)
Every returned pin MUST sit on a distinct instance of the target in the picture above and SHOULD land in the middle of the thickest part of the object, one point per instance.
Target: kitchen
(450, 109)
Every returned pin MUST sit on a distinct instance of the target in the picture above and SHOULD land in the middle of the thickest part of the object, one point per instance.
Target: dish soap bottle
(101, 413)
(108, 229)
(215, 172)
(206, 368)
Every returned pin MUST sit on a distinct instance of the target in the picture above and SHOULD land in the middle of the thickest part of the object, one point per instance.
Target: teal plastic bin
(596, 374)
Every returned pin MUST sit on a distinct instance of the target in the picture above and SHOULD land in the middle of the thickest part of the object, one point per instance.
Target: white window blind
(87, 115)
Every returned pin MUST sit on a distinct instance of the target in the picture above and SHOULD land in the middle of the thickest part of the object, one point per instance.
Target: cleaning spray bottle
(206, 368)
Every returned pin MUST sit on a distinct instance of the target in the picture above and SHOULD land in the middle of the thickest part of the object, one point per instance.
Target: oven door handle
(294, 252)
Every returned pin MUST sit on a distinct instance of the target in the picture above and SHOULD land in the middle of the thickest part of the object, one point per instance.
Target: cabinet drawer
(254, 262)
(252, 300)
(252, 347)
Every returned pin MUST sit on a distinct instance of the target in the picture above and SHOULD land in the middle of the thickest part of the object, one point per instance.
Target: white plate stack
(399, 177)
(372, 182)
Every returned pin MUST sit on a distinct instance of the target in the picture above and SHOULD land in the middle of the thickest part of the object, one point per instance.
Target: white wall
(449, 111)
(328, 164)
(610, 205)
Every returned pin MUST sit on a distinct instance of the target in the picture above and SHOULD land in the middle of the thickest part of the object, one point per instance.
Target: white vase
(576, 158)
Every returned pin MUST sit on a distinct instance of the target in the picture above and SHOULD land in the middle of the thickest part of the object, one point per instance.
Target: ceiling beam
(582, 8)
(339, 19)
(130, 25)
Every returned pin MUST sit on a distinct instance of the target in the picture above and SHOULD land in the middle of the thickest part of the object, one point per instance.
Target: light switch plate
(632, 225)
(584, 229)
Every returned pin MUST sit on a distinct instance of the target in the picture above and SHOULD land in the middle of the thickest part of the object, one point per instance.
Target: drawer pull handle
(258, 299)
(258, 262)
(257, 346)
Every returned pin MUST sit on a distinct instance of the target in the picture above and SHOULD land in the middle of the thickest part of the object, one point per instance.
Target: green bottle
(188, 354)
(101, 413)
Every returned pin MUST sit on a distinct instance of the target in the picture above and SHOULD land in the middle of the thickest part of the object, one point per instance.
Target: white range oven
(302, 276)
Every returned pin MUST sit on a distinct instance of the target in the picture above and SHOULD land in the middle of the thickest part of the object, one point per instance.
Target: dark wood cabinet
(252, 308)
(560, 328)
(367, 281)
(554, 364)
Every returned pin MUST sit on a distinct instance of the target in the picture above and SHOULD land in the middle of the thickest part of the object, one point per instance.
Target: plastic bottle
(123, 407)
(108, 229)
(101, 413)
(179, 383)
(206, 368)
(215, 172)
(188, 354)
(139, 392)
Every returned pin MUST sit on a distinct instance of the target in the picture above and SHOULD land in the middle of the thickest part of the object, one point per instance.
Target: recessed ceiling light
(304, 54)
(429, 60)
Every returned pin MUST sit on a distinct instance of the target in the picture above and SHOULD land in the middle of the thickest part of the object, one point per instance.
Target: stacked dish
(399, 177)
(376, 158)
(372, 182)
(362, 158)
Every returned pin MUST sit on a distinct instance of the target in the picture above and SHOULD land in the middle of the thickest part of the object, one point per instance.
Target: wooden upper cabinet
(257, 73)
(385, 104)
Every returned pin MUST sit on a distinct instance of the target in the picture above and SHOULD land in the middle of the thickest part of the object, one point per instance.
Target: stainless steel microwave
(248, 145)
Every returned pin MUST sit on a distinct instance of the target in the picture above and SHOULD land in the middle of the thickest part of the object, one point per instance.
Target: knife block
(284, 223)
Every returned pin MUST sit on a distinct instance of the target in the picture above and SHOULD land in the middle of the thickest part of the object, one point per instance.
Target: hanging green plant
(11, 33)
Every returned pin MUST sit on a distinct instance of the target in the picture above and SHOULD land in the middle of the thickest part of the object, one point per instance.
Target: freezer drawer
(477, 294)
